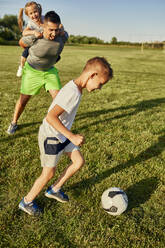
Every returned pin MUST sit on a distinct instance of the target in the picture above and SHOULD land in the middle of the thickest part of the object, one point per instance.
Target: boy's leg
(41, 181)
(77, 162)
(27, 204)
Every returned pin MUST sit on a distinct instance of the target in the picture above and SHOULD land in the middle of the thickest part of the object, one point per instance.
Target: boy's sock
(53, 189)
(27, 202)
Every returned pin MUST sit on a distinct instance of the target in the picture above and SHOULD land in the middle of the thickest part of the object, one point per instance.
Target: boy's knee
(48, 175)
(80, 162)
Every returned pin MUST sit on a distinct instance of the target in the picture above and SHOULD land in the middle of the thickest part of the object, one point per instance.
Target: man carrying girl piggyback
(34, 27)
(43, 53)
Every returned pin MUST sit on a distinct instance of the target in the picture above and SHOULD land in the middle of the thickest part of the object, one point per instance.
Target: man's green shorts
(33, 80)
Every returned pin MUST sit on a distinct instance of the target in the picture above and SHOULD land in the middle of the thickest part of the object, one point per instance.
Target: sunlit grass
(124, 126)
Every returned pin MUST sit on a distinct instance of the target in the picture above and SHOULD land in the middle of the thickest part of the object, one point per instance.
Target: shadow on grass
(139, 107)
(150, 152)
(21, 126)
(141, 192)
(18, 134)
(18, 216)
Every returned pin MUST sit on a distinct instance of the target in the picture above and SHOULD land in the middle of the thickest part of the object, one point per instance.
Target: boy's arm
(53, 119)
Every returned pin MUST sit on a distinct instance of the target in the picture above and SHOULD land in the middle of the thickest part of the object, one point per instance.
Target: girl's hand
(61, 27)
(37, 34)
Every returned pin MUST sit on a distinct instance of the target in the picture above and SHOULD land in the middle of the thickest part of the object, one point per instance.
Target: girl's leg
(23, 60)
(77, 162)
(41, 181)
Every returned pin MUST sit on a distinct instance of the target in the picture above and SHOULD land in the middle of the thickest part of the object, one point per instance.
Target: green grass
(124, 126)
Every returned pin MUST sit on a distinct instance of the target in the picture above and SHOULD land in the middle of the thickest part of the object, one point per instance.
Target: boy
(56, 138)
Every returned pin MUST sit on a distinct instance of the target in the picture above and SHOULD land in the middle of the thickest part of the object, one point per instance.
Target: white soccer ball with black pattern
(114, 201)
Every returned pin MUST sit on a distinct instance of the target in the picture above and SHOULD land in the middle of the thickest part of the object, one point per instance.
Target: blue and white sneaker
(59, 195)
(12, 128)
(30, 208)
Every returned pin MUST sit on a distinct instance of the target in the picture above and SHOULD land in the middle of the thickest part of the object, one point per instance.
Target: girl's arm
(27, 31)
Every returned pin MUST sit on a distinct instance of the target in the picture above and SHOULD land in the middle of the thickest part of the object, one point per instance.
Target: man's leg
(19, 108)
(20, 105)
(53, 93)
(77, 162)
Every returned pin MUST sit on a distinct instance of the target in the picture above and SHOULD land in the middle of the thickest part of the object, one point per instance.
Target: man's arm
(53, 119)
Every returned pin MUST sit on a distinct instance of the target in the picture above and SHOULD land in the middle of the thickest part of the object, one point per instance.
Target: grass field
(124, 126)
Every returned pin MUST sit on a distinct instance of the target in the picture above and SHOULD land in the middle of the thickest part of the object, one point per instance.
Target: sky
(127, 20)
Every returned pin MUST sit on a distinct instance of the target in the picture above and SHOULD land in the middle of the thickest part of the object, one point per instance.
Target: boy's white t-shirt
(69, 99)
(33, 26)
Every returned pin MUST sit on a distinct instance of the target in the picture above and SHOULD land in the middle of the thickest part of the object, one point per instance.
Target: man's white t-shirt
(69, 99)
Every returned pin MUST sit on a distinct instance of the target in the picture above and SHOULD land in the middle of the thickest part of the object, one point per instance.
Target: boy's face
(96, 81)
(51, 30)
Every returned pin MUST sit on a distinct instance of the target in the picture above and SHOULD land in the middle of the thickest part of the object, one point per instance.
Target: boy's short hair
(52, 16)
(101, 61)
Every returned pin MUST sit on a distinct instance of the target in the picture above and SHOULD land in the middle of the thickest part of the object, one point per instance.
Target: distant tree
(73, 39)
(9, 29)
(114, 40)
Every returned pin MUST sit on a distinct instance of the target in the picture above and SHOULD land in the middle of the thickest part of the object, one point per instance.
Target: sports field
(124, 126)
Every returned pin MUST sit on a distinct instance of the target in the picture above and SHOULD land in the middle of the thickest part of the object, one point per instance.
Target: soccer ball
(114, 201)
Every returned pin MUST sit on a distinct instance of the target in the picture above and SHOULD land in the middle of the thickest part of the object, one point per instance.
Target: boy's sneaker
(12, 128)
(19, 72)
(30, 208)
(59, 195)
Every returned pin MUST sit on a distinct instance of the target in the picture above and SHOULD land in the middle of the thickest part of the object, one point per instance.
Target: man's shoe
(12, 128)
(19, 72)
(59, 195)
(30, 208)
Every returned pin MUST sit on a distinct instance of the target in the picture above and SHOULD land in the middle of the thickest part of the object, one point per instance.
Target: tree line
(10, 34)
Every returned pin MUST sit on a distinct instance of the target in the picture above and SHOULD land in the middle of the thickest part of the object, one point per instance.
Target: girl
(34, 27)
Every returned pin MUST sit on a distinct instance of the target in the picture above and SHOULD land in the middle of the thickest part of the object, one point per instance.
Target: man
(39, 70)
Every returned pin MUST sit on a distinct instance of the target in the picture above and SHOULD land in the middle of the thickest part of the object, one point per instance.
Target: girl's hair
(20, 15)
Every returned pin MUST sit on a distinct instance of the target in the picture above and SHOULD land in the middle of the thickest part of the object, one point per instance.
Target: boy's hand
(77, 139)
(37, 34)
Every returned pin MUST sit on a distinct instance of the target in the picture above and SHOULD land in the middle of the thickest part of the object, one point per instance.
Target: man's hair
(100, 61)
(52, 16)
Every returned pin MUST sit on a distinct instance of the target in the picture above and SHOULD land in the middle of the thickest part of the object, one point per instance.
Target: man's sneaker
(19, 72)
(30, 208)
(59, 195)
(12, 128)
